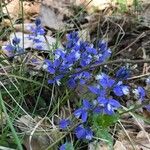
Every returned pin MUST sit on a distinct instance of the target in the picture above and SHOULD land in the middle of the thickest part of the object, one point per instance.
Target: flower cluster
(76, 55)
(36, 32)
(71, 66)
(36, 36)
(103, 103)
(13, 47)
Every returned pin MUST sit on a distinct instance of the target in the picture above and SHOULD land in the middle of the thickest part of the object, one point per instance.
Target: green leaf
(105, 136)
(104, 120)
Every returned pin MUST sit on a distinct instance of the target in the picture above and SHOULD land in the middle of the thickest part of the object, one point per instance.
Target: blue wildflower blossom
(106, 81)
(91, 50)
(71, 83)
(120, 89)
(49, 66)
(147, 107)
(97, 91)
(73, 36)
(64, 123)
(83, 133)
(109, 105)
(72, 39)
(123, 73)
(9, 47)
(66, 146)
(104, 51)
(13, 47)
(59, 54)
(83, 111)
(103, 45)
(82, 77)
(15, 41)
(56, 80)
(37, 22)
(62, 147)
(139, 93)
(86, 59)
(94, 90)
(105, 55)
(36, 31)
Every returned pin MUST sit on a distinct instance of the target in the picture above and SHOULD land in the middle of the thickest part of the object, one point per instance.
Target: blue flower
(72, 39)
(147, 107)
(123, 73)
(59, 53)
(108, 105)
(38, 47)
(37, 30)
(37, 22)
(82, 77)
(83, 111)
(86, 59)
(9, 47)
(97, 91)
(104, 51)
(15, 41)
(139, 93)
(50, 67)
(64, 123)
(14, 47)
(72, 83)
(62, 147)
(83, 133)
(91, 50)
(105, 55)
(56, 80)
(73, 36)
(106, 81)
(94, 89)
(66, 146)
(103, 45)
(121, 89)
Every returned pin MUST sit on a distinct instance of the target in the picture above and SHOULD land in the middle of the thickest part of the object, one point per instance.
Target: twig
(112, 62)
(140, 76)
(139, 37)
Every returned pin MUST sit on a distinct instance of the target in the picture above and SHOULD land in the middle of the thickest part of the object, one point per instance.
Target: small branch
(139, 37)
(112, 62)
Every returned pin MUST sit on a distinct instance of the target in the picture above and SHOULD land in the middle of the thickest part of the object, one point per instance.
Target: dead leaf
(119, 146)
(46, 43)
(45, 133)
(30, 9)
(14, 9)
(38, 142)
(50, 19)
(142, 135)
(98, 146)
